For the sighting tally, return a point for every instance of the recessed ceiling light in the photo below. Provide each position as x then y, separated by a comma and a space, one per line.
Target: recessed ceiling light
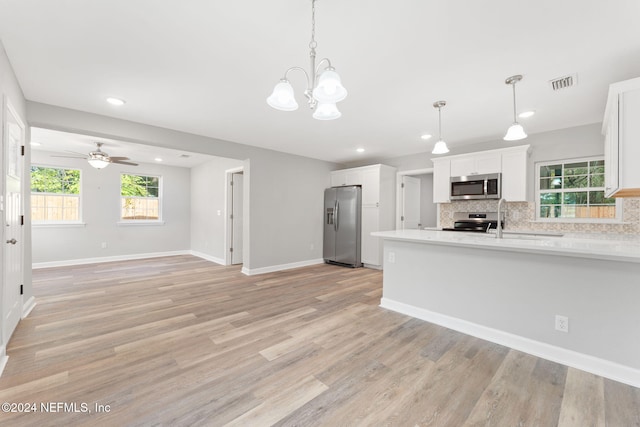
115, 101
35, 144
360, 150
425, 136
526, 114
158, 159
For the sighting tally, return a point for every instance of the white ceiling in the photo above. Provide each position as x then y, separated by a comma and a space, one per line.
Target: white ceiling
72, 144
206, 67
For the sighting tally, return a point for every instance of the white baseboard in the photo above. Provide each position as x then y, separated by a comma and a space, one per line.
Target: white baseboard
271, 269
208, 257
28, 306
584, 362
82, 261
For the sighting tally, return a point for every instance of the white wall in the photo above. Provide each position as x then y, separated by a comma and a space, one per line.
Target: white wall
10, 90
580, 141
207, 198
284, 192
101, 214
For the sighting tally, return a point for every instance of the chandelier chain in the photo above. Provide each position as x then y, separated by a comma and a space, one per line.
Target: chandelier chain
313, 44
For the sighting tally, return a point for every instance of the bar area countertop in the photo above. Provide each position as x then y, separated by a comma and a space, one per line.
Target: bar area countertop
599, 246
513, 290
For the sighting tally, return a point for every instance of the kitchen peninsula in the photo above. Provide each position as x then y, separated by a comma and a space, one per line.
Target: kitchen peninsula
510, 290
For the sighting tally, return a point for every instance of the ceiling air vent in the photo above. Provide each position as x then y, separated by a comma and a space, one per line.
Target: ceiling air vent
185, 156
564, 82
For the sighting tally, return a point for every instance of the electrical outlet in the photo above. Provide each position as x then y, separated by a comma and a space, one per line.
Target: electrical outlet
562, 323
104, 245
392, 257
311, 247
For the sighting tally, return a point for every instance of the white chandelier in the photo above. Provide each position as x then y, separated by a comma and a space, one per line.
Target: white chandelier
323, 90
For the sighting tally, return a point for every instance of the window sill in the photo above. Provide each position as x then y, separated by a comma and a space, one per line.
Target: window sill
578, 221
138, 222
58, 224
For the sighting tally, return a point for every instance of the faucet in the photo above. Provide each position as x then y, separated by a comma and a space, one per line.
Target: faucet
499, 226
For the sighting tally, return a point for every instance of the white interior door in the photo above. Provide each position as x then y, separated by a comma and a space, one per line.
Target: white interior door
12, 262
236, 217
410, 202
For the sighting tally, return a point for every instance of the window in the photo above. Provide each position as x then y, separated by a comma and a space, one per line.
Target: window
574, 190
55, 195
140, 197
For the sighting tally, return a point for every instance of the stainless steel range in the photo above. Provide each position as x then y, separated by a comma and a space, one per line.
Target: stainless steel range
475, 221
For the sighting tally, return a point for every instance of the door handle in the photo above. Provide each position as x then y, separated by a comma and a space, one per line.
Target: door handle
336, 217
12, 241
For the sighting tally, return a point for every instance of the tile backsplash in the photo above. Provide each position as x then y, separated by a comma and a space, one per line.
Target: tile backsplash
521, 216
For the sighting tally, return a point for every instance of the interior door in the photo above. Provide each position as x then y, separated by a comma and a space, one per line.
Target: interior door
410, 202
236, 217
12, 262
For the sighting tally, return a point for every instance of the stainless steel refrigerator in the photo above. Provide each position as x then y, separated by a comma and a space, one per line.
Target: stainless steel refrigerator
342, 213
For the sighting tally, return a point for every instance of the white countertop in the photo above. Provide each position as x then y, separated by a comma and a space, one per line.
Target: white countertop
614, 248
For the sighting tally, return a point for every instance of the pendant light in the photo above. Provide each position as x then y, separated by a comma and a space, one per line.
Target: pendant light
515, 131
324, 89
441, 146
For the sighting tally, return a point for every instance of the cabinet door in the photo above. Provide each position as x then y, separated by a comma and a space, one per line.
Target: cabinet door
371, 187
514, 176
474, 164
488, 163
611, 164
346, 177
371, 246
463, 166
441, 175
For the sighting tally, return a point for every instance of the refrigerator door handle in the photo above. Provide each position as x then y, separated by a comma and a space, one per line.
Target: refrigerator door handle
335, 216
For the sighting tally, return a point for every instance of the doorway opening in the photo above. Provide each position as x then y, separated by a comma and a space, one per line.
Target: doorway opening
415, 206
234, 216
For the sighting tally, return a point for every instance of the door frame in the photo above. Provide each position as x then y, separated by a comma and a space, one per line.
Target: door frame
8, 108
399, 201
228, 224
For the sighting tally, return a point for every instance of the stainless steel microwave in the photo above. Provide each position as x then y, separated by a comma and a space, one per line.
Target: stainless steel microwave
471, 187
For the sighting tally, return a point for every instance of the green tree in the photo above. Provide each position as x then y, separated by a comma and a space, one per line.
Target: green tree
55, 180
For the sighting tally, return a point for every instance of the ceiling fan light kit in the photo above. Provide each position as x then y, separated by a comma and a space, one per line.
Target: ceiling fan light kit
99, 159
323, 91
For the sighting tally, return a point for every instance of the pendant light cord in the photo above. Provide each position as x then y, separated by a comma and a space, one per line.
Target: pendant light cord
514, 101
439, 123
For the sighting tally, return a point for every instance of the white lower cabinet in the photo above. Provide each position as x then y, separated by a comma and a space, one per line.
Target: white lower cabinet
378, 205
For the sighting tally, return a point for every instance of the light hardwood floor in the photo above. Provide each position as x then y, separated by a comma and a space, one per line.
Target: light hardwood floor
181, 341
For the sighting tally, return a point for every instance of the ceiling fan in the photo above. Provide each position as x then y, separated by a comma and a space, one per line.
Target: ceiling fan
99, 159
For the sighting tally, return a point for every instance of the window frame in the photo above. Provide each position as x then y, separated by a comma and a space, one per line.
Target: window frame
563, 162
58, 223
146, 221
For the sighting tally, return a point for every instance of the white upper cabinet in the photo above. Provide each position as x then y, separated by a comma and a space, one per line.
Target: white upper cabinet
476, 163
441, 174
512, 162
346, 177
621, 128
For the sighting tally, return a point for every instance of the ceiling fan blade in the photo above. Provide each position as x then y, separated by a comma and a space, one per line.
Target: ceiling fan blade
120, 162
75, 152
117, 159
71, 157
